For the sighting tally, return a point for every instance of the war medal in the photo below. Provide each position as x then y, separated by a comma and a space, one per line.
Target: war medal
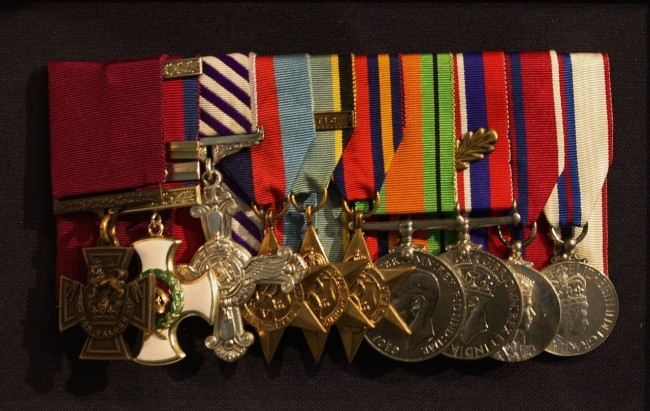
588, 299
177, 297
541, 316
431, 301
107, 303
494, 302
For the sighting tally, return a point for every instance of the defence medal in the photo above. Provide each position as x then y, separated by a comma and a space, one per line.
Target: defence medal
176, 297
279, 299
325, 287
107, 303
588, 299
371, 288
541, 316
494, 301
431, 301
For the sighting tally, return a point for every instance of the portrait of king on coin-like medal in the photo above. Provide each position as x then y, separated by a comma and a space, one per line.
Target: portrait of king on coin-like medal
416, 301
479, 286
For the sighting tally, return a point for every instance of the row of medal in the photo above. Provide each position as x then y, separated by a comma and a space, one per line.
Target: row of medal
409, 305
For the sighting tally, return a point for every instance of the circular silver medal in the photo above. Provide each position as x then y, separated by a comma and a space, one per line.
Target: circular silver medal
587, 296
431, 301
494, 304
541, 317
589, 307
540, 320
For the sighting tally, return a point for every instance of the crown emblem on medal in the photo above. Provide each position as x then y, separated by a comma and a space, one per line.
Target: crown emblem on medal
571, 288
525, 284
480, 281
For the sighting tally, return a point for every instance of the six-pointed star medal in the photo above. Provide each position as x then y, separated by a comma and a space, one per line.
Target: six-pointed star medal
371, 290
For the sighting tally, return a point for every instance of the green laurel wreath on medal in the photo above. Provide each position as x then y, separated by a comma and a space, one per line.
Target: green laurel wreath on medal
176, 305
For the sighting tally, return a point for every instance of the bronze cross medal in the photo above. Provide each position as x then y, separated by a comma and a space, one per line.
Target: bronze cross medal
107, 304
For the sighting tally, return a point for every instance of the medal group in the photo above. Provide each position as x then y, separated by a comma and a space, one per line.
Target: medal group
426, 204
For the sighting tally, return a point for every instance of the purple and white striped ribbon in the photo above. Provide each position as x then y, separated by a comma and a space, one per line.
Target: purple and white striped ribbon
227, 107
227, 95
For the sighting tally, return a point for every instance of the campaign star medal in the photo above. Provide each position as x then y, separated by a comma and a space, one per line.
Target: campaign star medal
280, 300
371, 289
107, 303
176, 297
325, 286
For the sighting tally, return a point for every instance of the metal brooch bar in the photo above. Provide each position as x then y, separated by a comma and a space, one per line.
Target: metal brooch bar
247, 139
132, 201
174, 69
340, 120
441, 223
185, 171
182, 150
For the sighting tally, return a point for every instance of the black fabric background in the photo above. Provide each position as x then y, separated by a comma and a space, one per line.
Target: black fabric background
38, 365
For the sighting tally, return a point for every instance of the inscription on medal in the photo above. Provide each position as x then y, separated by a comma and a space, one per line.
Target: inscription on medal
431, 301
540, 320
494, 305
589, 307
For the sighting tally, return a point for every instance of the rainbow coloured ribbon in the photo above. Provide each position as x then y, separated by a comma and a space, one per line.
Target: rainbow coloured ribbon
422, 174
265, 173
482, 101
580, 194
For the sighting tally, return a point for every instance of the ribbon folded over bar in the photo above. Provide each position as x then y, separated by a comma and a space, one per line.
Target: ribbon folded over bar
265, 173
587, 122
422, 178
110, 123
482, 102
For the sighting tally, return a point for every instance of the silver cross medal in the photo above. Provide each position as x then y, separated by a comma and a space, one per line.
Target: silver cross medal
236, 273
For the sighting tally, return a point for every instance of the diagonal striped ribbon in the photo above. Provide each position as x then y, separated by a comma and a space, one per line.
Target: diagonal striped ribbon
580, 194
227, 107
482, 101
227, 95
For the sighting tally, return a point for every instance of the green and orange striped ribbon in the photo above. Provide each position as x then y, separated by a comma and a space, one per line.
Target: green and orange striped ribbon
421, 178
